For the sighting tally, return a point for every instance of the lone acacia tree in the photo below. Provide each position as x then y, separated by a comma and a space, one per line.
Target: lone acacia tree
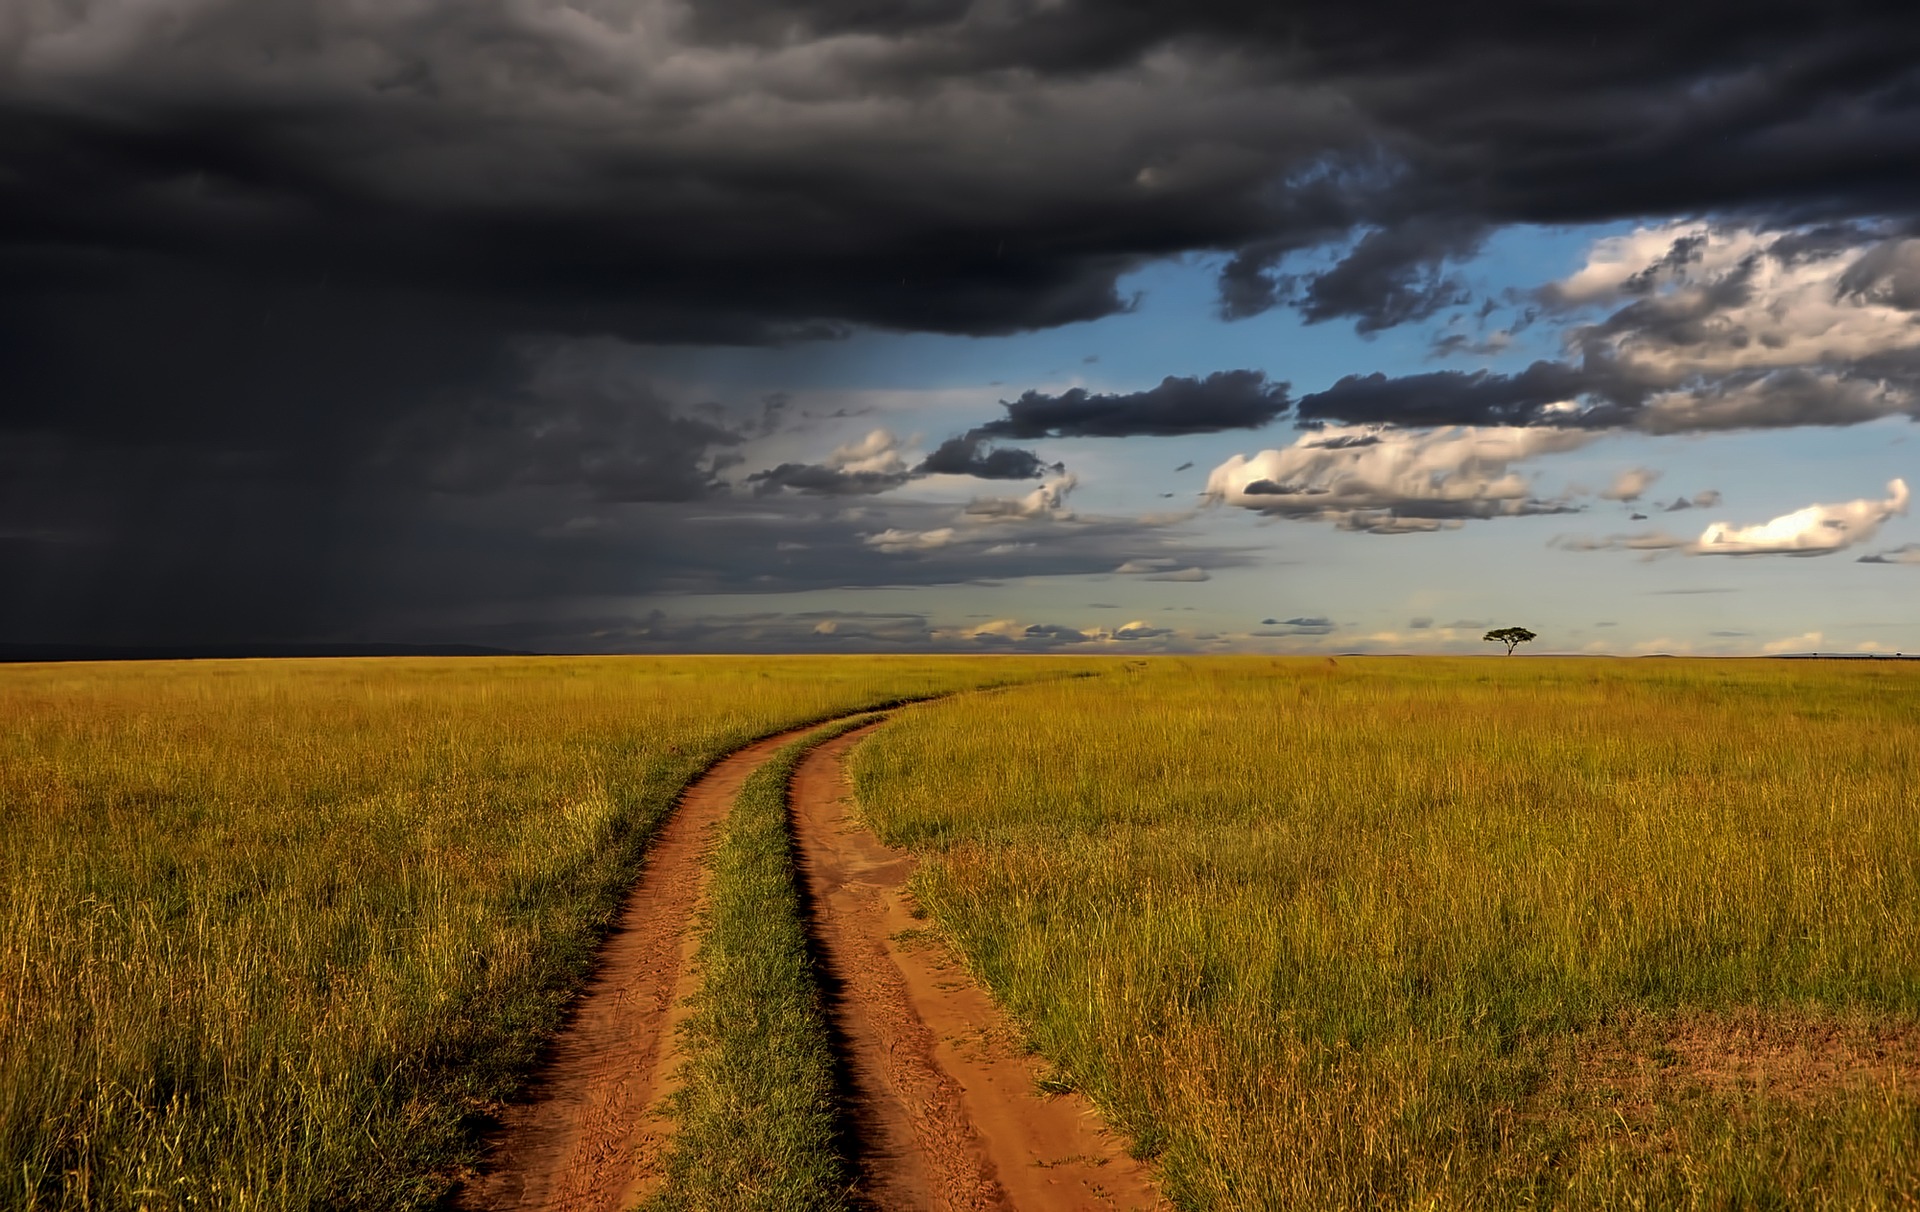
1512, 637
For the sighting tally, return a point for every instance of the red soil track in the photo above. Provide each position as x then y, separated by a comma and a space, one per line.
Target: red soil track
946, 1109
589, 1137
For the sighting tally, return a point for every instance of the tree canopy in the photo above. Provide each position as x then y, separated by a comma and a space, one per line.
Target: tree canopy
1512, 637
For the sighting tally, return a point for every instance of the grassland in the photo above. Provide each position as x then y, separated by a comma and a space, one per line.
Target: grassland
1450, 933
274, 934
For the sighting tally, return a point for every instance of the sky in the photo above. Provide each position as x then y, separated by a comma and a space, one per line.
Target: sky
970, 325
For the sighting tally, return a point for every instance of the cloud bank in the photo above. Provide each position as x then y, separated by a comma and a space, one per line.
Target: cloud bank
1227, 399
316, 317
1706, 328
1394, 481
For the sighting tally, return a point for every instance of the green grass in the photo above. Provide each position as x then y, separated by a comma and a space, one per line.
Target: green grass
276, 934
1450, 933
756, 1115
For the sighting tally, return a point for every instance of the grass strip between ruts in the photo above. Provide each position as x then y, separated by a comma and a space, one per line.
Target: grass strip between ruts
756, 1112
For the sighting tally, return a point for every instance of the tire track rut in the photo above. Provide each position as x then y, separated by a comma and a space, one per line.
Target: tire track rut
588, 1137
944, 1108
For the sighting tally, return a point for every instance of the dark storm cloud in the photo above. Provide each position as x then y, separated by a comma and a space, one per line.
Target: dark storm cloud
171, 543
550, 563
961, 167
565, 169
1223, 400
618, 442
870, 469
756, 21
1392, 276
1226, 399
1606, 396
1049, 634
265, 267
876, 465
974, 454
1451, 397
822, 480
756, 631
823, 631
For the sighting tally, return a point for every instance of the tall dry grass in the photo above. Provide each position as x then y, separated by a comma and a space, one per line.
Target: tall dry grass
274, 934
1450, 933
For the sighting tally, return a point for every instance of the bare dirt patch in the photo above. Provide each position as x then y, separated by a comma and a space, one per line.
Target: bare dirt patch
1784, 1056
945, 1108
588, 1136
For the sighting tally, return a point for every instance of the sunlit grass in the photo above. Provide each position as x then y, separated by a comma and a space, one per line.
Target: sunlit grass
273, 934
1450, 932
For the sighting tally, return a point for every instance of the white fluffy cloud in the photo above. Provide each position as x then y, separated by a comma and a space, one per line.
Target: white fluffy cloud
1048, 501
1389, 481
1731, 327
879, 453
1614, 262
1815, 530
986, 521
1709, 300
894, 541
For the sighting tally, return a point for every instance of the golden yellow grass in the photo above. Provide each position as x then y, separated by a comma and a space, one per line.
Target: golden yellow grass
1450, 933
277, 934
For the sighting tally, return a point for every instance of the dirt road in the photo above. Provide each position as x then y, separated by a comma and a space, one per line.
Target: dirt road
944, 1107
588, 1137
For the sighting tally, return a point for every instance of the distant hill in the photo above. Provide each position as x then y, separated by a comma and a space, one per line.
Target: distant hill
189, 652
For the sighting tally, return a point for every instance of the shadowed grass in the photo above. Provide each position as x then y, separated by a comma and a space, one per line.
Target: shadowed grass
756, 1115
278, 934
1450, 933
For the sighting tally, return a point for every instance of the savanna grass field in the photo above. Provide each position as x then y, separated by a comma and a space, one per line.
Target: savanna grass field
277, 934
1461, 933
1314, 933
